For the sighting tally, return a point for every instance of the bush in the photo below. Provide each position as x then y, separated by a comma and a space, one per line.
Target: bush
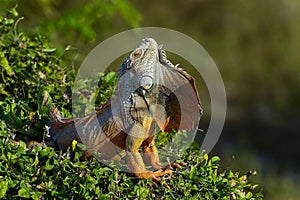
41, 172
32, 79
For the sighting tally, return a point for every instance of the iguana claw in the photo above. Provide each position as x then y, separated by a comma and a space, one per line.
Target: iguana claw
154, 175
173, 165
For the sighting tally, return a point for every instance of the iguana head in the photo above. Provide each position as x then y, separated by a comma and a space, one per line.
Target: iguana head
143, 58
140, 63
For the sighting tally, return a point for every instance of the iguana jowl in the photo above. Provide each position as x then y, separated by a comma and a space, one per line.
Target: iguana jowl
150, 91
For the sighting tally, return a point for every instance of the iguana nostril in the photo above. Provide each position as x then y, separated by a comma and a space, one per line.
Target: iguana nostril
146, 82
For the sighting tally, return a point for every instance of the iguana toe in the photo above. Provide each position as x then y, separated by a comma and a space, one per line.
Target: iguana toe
174, 165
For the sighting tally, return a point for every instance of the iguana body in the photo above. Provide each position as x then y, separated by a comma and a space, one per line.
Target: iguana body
150, 91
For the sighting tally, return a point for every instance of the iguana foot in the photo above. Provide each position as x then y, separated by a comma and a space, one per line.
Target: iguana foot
173, 165
34, 143
154, 175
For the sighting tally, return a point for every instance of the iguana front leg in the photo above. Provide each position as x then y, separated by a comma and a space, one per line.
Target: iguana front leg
134, 140
150, 153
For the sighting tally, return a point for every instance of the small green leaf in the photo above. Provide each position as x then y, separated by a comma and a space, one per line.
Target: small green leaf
36, 196
143, 192
48, 166
9, 21
23, 192
249, 195
193, 169
3, 188
49, 50
14, 11
4, 63
205, 157
215, 159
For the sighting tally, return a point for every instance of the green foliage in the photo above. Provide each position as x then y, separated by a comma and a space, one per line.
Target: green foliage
42, 172
89, 13
93, 91
33, 78
78, 21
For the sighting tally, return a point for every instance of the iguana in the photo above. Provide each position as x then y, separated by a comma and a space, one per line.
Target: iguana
150, 91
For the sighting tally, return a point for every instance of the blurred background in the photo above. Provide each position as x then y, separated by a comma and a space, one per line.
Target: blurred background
255, 45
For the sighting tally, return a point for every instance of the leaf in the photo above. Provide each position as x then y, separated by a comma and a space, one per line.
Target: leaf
74, 143
3, 188
46, 98
23, 192
143, 192
205, 157
4, 63
14, 11
48, 166
110, 76
215, 159
193, 169
22, 145
36, 196
248, 195
49, 50
9, 21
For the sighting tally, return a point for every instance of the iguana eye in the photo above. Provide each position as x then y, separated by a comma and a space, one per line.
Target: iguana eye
146, 82
137, 53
